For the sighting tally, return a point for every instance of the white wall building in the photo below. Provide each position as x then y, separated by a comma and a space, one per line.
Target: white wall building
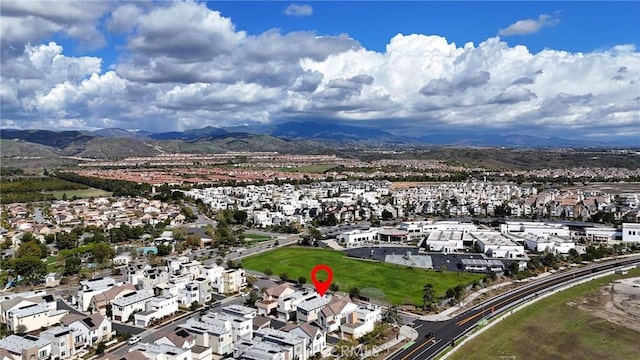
156, 308
125, 306
602, 234
631, 233
90, 288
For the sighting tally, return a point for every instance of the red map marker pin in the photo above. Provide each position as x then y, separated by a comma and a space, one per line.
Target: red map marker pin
321, 287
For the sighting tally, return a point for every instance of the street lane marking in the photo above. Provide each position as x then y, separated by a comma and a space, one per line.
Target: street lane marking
427, 349
418, 348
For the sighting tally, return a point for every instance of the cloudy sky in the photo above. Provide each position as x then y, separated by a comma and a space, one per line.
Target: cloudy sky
542, 68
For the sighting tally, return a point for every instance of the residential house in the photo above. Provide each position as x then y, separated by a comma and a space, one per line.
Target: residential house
163, 351
92, 287
288, 306
258, 350
241, 327
100, 302
217, 337
33, 317
295, 346
315, 335
88, 330
124, 307
338, 312
366, 318
27, 347
308, 310
156, 308
62, 342
233, 280
179, 338
270, 297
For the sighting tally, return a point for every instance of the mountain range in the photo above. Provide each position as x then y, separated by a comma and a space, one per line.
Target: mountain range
288, 137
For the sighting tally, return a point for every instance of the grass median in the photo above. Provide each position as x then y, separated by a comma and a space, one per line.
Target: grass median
400, 284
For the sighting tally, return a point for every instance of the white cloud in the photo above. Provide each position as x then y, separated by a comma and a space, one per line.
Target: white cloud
177, 74
529, 26
34, 21
298, 10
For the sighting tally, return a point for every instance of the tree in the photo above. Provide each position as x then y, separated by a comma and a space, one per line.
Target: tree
72, 265
21, 329
193, 241
334, 287
268, 271
164, 250
178, 234
428, 296
387, 215
102, 252
29, 248
354, 292
30, 268
284, 276
392, 315
514, 268
302, 280
240, 216
252, 298
194, 306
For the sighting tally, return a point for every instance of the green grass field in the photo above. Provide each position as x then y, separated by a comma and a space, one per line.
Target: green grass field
82, 193
552, 329
401, 285
252, 239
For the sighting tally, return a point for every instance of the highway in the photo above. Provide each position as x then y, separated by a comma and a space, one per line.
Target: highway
451, 330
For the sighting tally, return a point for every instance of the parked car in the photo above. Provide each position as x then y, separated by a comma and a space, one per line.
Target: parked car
134, 340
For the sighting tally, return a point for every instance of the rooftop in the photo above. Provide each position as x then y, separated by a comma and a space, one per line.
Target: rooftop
132, 298
16, 344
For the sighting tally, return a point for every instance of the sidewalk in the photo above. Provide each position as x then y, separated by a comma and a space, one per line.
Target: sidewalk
450, 312
406, 332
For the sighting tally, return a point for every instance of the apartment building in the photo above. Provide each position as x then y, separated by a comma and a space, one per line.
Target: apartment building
125, 306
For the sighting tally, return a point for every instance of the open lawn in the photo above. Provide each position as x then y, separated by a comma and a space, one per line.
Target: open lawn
252, 239
82, 193
400, 284
553, 329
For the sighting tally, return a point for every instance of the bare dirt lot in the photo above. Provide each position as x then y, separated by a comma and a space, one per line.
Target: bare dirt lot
618, 303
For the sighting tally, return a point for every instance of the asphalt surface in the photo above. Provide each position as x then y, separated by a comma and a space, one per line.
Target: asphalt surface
440, 261
453, 329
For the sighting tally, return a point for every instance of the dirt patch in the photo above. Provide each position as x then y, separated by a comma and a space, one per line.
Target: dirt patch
618, 302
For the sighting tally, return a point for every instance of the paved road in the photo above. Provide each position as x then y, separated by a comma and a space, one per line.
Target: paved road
452, 329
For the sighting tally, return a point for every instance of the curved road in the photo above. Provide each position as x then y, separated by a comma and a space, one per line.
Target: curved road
450, 330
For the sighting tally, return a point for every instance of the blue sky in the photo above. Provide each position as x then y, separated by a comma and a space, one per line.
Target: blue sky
569, 69
584, 26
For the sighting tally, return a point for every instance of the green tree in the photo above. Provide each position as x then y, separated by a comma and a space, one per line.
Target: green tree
179, 234
354, 292
194, 306
392, 315
72, 265
164, 250
102, 252
31, 268
302, 280
428, 296
252, 298
240, 216
268, 271
29, 248
193, 241
334, 287
284, 276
